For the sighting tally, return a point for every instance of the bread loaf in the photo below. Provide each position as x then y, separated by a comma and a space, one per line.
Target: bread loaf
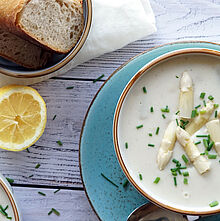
21, 51
56, 24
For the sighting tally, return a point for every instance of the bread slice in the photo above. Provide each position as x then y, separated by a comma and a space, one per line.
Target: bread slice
21, 51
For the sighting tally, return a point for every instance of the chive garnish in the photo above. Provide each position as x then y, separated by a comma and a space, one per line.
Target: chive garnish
69, 88
50, 212
126, 145
205, 142
174, 179
6, 208
37, 166
197, 143
125, 183
185, 159
28, 150
144, 90
56, 191
59, 143
210, 97
185, 181
151, 145
174, 173
139, 126
186, 173
193, 115
212, 156
198, 106
99, 78
54, 211
201, 135
213, 204
175, 161
10, 180
151, 109
202, 111
109, 180
216, 105
174, 169
204, 103
157, 180
202, 154
140, 176
177, 76
4, 213
150, 134
177, 122
206, 152
182, 168
166, 109
216, 114
54, 117
210, 145
31, 175
164, 117
157, 131
202, 95
177, 112
41, 193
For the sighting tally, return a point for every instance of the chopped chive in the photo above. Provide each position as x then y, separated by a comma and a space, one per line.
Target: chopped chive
174, 169
177, 122
150, 134
37, 166
6, 208
201, 135
205, 142
193, 115
126, 145
41, 193
198, 106
212, 156
50, 212
202, 154
157, 131
210, 97
216, 114
99, 78
174, 179
69, 88
164, 117
125, 184
202, 95
213, 204
55, 211
59, 143
157, 180
177, 112
28, 150
175, 161
174, 173
10, 180
177, 76
185, 181
166, 110
109, 180
151, 145
139, 126
204, 103
197, 143
186, 173
216, 105
54, 117
179, 171
31, 175
151, 109
202, 111
210, 145
185, 158
209, 138
140, 176
206, 152
182, 168
56, 191
144, 90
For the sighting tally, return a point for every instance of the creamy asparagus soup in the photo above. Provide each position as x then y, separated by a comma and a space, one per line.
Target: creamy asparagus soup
169, 132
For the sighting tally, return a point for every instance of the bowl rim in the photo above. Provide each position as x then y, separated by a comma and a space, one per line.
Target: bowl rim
65, 60
124, 93
11, 199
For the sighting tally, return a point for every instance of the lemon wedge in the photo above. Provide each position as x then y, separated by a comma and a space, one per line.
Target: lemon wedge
23, 116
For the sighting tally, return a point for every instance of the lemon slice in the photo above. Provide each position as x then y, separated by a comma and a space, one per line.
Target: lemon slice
23, 117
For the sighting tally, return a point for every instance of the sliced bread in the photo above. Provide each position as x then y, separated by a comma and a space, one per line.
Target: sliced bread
21, 51
56, 24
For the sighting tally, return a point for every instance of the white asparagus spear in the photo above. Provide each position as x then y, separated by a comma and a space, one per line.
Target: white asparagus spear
200, 120
213, 127
201, 164
166, 147
186, 98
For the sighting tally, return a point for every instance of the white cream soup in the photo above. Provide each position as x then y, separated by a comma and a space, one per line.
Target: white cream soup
163, 89
4, 201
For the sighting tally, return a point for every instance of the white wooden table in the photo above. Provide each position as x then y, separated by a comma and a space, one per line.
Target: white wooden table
176, 20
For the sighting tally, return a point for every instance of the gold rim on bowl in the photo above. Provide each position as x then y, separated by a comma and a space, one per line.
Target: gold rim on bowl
66, 59
116, 118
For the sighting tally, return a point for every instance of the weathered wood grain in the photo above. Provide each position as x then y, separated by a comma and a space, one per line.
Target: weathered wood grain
72, 205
